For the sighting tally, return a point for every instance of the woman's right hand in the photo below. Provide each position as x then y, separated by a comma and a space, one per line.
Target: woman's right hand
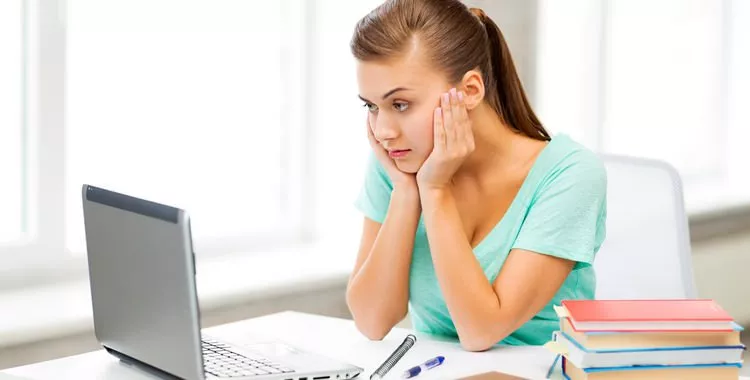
400, 180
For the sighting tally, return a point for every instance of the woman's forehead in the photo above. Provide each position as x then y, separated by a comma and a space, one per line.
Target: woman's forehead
377, 77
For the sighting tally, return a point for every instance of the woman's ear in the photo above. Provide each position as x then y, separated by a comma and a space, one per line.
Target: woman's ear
472, 85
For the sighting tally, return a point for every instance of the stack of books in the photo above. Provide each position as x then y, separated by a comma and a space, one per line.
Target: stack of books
647, 339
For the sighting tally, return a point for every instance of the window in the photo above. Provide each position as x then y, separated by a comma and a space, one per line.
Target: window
238, 111
653, 79
11, 121
664, 76
185, 103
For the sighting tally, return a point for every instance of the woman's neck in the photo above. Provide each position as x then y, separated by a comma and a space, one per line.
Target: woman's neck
498, 149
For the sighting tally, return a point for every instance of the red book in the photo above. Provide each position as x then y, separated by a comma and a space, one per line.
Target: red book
647, 315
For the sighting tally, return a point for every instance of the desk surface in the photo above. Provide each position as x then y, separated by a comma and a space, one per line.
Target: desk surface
333, 337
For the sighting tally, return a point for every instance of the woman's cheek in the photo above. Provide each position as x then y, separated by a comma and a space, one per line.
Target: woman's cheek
420, 130
428, 127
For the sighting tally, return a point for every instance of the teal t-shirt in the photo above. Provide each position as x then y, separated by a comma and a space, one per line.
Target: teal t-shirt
560, 210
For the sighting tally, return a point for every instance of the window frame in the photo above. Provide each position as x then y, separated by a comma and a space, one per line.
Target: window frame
41, 256
43, 117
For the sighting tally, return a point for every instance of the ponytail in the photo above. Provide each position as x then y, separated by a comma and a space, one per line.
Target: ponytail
504, 90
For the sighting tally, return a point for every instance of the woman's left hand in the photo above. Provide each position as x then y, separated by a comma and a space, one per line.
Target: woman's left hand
453, 142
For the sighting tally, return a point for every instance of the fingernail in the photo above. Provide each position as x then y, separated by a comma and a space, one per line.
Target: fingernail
460, 95
445, 97
453, 91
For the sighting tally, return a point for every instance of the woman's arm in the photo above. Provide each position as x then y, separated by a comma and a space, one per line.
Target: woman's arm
559, 227
482, 313
378, 289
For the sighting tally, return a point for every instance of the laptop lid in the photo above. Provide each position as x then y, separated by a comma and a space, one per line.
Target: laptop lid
142, 276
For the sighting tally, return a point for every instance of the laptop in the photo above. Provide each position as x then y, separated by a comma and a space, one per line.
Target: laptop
142, 276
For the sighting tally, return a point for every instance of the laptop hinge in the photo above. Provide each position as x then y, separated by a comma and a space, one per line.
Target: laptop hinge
129, 360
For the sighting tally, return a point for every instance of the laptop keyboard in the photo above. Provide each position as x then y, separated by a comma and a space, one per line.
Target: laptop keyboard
220, 361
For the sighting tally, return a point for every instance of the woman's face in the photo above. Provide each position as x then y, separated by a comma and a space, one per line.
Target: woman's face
401, 96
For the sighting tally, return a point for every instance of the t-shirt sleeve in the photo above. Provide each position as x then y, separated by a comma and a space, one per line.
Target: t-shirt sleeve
567, 215
375, 193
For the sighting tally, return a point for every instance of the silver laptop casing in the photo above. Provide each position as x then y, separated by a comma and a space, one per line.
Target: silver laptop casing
142, 277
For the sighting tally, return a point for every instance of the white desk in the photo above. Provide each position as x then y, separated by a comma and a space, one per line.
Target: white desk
333, 337
337, 338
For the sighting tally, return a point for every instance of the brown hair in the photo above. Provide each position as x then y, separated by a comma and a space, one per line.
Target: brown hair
458, 39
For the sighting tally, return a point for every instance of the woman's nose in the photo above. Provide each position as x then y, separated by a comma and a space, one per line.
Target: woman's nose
385, 129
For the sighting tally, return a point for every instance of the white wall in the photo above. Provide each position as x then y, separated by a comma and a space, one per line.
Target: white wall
517, 21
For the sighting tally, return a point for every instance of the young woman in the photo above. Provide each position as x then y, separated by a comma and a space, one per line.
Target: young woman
477, 220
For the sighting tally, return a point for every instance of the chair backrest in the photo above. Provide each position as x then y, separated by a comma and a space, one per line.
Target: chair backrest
646, 253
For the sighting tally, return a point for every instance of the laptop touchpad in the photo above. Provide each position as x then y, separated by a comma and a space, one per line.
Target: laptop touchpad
272, 349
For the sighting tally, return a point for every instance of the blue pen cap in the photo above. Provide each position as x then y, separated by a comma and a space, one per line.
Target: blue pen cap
435, 362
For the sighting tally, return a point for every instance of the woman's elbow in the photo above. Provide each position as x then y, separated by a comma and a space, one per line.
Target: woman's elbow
374, 325
374, 322
477, 341
476, 345
372, 329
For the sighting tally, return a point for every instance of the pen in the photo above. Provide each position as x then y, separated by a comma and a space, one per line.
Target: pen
432, 363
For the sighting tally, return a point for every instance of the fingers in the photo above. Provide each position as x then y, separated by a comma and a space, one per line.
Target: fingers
450, 131
463, 117
455, 106
439, 130
456, 127
458, 122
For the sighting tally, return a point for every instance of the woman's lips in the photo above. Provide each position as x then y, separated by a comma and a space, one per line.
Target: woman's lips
398, 153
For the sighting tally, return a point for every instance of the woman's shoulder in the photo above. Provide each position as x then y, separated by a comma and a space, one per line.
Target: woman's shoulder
566, 162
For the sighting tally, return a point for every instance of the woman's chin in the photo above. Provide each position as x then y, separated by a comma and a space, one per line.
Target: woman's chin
407, 167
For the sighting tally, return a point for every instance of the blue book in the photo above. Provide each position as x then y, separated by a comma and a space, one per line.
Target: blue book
724, 371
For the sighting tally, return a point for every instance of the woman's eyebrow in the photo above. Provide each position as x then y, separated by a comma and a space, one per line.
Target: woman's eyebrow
387, 94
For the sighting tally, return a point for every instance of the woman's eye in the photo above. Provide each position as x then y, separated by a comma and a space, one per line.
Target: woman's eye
370, 107
400, 107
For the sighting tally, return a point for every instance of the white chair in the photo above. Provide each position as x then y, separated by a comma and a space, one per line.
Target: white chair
646, 253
